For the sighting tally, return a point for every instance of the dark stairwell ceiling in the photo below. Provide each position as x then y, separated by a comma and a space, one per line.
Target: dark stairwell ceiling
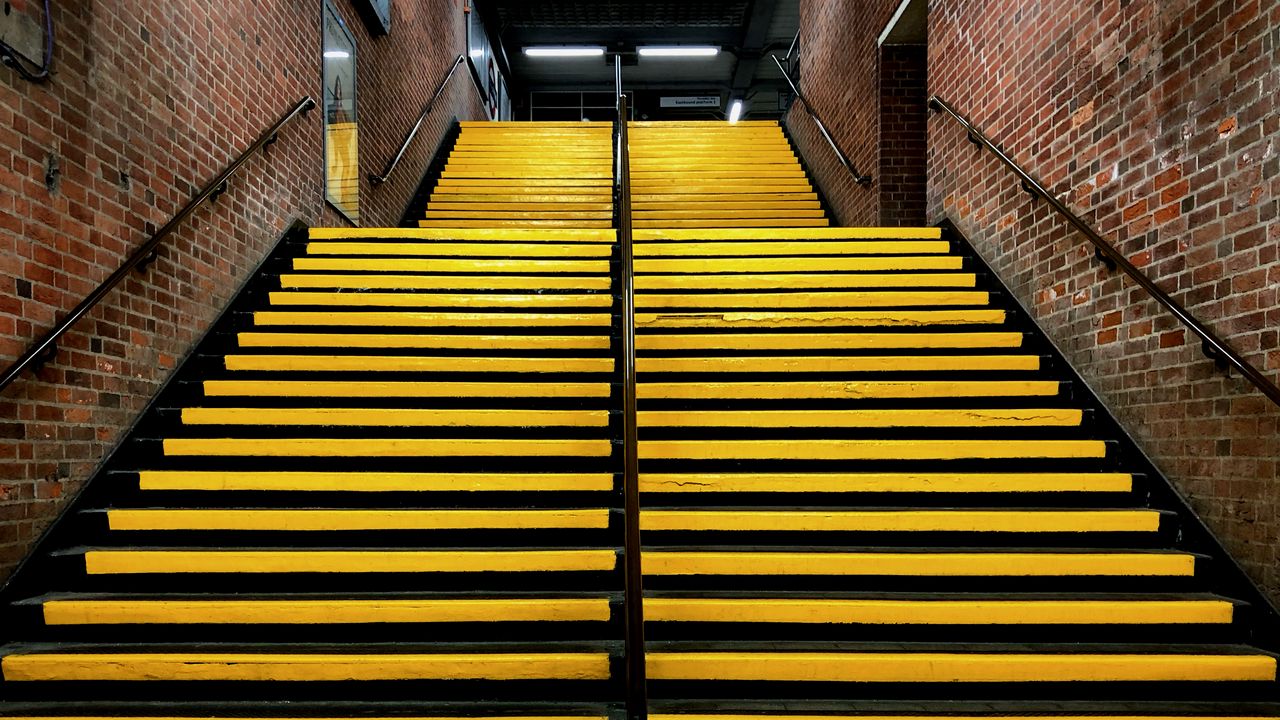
746, 31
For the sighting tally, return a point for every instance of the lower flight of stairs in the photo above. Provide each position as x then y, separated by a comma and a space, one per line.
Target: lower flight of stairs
388, 475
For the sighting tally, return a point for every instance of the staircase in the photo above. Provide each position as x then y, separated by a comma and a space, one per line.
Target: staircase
387, 483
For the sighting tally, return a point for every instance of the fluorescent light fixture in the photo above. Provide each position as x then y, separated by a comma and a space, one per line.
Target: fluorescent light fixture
679, 50
337, 54
564, 51
735, 111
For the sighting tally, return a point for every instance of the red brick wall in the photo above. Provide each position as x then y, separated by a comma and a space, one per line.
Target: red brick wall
149, 100
904, 125
1158, 122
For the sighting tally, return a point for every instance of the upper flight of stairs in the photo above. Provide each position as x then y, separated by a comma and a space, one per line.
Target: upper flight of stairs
387, 484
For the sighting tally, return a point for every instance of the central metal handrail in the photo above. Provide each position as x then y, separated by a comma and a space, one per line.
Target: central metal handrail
1210, 344
422, 117
633, 589
47, 346
858, 177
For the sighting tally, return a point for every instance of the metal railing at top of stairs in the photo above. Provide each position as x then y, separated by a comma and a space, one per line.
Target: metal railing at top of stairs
47, 346
633, 589
377, 180
859, 178
1211, 345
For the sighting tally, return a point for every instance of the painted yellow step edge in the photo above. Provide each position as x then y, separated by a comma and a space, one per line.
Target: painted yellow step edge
352, 389
852, 418
829, 482
959, 667
939, 612
826, 341
982, 521
806, 450
423, 342
323, 612
924, 564
849, 390
834, 233
395, 417
374, 560
303, 666
379, 447
602, 236
364, 482
327, 520
393, 363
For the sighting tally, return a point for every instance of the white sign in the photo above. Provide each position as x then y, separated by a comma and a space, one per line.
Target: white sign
693, 101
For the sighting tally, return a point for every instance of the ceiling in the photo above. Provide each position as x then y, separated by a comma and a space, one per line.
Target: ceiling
746, 31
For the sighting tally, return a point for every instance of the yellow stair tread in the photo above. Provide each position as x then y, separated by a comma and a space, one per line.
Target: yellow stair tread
828, 341
885, 482
353, 519
491, 222
319, 481
525, 235
640, 223
69, 666
395, 417
324, 612
384, 447
440, 299
411, 363
803, 318
803, 299
372, 560
423, 342
938, 611
801, 281
994, 563
469, 249
387, 281
878, 449
847, 418
753, 248
985, 521
487, 267
761, 265
406, 318
958, 667
387, 389
835, 233
849, 390
829, 364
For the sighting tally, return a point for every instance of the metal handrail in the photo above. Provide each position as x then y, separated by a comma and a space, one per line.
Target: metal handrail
633, 589
47, 346
1210, 344
858, 177
377, 180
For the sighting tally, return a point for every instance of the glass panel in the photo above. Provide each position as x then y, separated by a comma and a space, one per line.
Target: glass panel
341, 133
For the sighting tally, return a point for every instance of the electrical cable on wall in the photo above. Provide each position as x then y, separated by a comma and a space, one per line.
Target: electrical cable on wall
13, 59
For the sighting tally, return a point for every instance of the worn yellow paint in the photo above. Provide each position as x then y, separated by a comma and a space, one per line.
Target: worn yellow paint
531, 215
446, 282
469, 249
714, 199
395, 417
323, 612
742, 204
488, 267
925, 564
841, 363
461, 300
496, 223
498, 182
718, 214
866, 449
413, 363
802, 318
584, 192
750, 248
803, 299
829, 482
212, 480
384, 447
524, 198
960, 667
835, 233
703, 173
523, 206
529, 174
374, 560
779, 281
407, 318
736, 188
355, 519
797, 264
938, 612
827, 341
984, 521
349, 389
777, 223
879, 418
303, 666
424, 342
531, 235
845, 390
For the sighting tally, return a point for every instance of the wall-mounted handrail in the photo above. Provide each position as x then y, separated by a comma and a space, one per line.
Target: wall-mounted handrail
858, 177
1213, 347
47, 346
377, 180
633, 590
